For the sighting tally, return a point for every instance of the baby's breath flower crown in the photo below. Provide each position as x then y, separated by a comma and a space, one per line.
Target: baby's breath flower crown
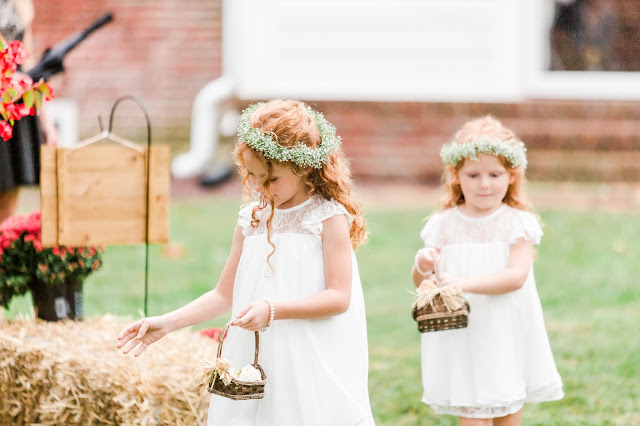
512, 149
300, 154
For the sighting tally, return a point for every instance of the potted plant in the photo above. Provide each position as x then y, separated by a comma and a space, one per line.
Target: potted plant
54, 275
19, 95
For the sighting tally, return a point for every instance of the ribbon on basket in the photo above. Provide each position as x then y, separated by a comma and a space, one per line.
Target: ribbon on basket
451, 296
220, 368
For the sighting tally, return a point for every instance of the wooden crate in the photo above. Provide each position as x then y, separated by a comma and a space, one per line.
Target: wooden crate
96, 195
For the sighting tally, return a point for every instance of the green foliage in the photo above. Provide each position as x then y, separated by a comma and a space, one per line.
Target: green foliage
586, 271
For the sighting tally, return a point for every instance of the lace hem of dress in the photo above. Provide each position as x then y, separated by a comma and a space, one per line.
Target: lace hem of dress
478, 412
552, 392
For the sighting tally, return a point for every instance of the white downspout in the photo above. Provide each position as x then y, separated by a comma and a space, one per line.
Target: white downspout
205, 121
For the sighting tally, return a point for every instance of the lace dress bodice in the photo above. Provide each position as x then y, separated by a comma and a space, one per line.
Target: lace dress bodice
505, 225
305, 218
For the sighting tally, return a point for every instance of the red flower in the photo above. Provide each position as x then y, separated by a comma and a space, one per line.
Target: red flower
213, 333
24, 82
23, 259
6, 131
15, 88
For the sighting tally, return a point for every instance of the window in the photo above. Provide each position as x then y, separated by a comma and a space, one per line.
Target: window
595, 35
562, 60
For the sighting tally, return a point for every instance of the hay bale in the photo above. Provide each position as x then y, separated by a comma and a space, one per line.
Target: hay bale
71, 373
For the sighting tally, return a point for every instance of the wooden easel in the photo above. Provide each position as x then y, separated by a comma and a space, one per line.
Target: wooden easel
105, 194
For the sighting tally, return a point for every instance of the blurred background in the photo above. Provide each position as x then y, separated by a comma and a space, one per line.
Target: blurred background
395, 77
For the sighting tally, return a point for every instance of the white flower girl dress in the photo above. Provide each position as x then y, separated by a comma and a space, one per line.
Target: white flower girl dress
503, 358
317, 370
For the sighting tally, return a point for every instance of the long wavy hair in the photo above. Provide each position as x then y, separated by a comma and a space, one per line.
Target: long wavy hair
290, 124
486, 126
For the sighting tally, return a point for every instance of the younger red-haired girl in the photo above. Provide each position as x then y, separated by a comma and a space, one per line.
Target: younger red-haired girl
483, 240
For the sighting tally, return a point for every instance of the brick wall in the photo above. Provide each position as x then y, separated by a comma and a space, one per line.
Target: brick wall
164, 52
565, 139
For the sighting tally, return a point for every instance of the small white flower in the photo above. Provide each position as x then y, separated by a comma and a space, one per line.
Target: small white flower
512, 149
302, 155
248, 373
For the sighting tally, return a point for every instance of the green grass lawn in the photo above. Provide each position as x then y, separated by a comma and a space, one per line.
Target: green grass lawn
587, 274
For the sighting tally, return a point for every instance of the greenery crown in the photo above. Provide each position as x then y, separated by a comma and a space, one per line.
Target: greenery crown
512, 149
302, 155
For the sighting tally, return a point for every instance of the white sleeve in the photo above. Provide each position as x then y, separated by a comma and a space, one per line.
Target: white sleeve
313, 222
431, 233
525, 225
244, 218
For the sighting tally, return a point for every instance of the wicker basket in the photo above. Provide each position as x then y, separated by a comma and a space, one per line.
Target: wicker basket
438, 318
238, 389
436, 315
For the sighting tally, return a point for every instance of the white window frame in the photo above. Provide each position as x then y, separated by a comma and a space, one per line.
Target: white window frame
242, 59
544, 84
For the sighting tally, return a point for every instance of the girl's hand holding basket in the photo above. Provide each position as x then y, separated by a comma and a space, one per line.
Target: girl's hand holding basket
425, 260
439, 304
255, 316
245, 383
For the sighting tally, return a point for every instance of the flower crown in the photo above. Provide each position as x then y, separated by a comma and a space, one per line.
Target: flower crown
300, 154
512, 149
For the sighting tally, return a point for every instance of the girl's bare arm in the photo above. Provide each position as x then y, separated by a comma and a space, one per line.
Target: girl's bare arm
509, 279
210, 305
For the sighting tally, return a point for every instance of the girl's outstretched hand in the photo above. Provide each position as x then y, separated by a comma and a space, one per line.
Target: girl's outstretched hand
254, 316
142, 333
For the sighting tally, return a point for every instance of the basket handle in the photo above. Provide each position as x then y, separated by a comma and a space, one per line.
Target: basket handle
436, 270
223, 335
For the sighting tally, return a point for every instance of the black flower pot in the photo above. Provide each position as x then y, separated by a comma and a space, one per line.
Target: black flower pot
74, 299
53, 303
50, 302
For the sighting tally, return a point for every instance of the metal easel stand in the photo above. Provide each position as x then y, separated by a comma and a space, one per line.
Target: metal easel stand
146, 237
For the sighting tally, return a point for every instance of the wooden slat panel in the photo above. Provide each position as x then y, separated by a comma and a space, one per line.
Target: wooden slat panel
159, 195
106, 209
100, 195
61, 161
114, 184
111, 157
48, 196
104, 196
100, 232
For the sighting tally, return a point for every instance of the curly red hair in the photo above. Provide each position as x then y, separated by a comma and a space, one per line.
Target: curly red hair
290, 124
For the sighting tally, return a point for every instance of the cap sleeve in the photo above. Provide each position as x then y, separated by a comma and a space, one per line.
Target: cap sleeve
325, 210
244, 218
431, 234
525, 225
